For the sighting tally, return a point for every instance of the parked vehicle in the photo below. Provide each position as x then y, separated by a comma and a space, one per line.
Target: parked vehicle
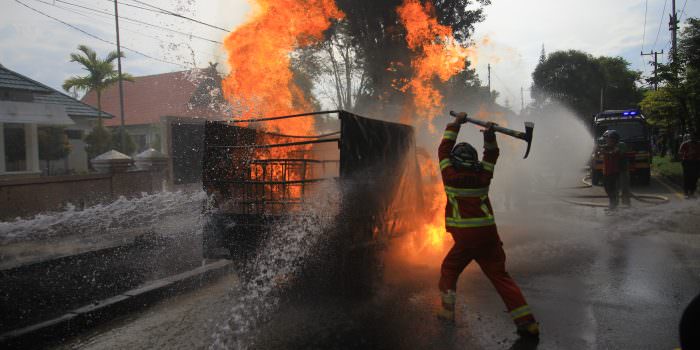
634, 132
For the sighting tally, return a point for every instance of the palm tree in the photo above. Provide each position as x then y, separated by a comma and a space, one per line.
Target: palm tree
101, 74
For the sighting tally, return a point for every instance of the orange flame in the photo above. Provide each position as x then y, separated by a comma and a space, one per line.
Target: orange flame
260, 82
438, 55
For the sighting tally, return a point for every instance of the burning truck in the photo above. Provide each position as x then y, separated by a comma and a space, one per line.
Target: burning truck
259, 180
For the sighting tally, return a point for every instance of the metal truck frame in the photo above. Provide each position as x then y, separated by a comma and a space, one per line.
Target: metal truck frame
253, 187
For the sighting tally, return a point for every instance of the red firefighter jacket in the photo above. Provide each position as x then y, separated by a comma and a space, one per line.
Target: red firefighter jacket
468, 207
690, 150
614, 159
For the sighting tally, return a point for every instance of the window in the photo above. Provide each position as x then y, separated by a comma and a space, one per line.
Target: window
15, 147
627, 131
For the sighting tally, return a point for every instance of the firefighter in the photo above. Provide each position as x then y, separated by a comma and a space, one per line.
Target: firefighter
615, 169
469, 219
689, 154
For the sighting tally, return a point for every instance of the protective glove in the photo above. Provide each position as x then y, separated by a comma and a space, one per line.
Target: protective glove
461, 118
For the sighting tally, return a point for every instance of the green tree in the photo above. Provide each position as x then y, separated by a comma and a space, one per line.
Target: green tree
53, 144
98, 141
573, 78
620, 91
689, 54
101, 74
129, 146
375, 55
681, 79
661, 108
578, 80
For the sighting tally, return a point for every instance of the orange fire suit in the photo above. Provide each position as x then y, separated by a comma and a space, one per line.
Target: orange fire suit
469, 219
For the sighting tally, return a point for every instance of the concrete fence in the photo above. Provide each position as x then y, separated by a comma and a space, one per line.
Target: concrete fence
23, 197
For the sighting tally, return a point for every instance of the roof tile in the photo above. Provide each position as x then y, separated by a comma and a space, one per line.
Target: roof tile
148, 98
44, 94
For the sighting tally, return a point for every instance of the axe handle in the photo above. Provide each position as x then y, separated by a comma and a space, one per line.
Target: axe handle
509, 132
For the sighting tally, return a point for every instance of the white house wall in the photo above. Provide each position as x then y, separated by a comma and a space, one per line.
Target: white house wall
78, 158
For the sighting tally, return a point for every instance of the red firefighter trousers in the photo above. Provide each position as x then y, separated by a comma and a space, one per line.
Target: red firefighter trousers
484, 246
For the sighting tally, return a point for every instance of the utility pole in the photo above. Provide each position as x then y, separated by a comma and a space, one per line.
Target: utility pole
656, 64
489, 81
673, 27
121, 84
522, 100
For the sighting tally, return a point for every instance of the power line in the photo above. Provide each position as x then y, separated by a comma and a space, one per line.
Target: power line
683, 11
644, 32
94, 17
111, 18
138, 7
97, 37
660, 23
133, 20
181, 16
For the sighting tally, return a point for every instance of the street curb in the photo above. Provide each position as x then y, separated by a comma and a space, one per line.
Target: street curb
72, 322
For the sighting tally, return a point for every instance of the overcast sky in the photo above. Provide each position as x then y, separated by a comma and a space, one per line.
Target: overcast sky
38, 47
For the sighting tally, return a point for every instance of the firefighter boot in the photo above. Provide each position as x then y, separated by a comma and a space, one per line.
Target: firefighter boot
447, 310
529, 330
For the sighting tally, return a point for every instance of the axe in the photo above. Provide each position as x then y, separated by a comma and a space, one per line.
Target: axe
525, 136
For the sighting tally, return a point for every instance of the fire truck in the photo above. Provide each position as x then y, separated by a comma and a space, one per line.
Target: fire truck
634, 132
261, 183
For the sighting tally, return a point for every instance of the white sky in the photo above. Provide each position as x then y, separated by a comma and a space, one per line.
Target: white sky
39, 47
518, 29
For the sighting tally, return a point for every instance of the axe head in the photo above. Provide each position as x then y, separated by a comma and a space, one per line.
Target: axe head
529, 128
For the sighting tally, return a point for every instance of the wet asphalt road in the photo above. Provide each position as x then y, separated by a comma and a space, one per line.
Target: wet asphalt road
594, 281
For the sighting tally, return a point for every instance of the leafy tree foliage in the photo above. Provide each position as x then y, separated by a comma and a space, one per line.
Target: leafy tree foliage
101, 73
680, 85
98, 141
366, 53
689, 43
53, 144
571, 77
662, 107
129, 146
578, 80
621, 90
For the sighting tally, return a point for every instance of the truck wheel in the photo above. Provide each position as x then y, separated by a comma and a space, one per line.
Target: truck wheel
595, 177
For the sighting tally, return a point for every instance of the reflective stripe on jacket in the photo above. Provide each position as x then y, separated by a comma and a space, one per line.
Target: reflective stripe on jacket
467, 190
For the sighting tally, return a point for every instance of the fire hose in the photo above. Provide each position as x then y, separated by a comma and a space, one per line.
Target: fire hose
644, 198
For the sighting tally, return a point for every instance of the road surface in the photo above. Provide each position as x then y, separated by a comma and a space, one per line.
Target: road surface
594, 281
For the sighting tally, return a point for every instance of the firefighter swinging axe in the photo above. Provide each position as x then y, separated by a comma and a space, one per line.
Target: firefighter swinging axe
525, 136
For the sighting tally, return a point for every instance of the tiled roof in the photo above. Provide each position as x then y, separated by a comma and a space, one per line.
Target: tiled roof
12, 80
45, 94
150, 97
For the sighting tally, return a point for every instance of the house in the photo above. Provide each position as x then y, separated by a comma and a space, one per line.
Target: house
149, 99
26, 106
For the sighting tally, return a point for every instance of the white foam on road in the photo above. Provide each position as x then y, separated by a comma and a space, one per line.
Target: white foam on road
145, 211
